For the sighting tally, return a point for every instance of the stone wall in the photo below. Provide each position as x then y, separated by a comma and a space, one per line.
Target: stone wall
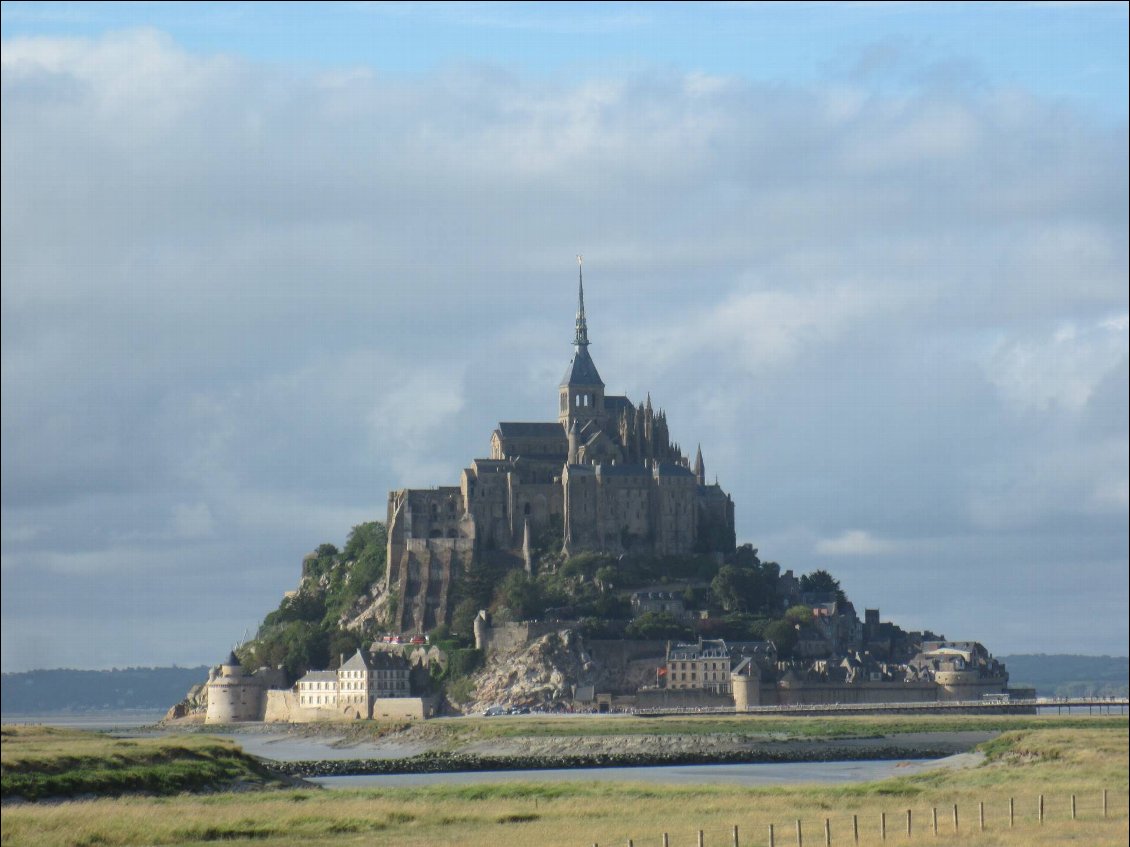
508, 637
625, 666
411, 708
681, 698
813, 693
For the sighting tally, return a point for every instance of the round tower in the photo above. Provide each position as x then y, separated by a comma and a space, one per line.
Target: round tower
233, 695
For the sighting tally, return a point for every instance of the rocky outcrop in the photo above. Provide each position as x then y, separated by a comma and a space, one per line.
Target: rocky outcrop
542, 672
194, 704
371, 607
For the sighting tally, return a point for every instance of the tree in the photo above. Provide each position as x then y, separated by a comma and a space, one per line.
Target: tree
657, 626
799, 614
521, 595
729, 588
748, 587
463, 617
822, 582
783, 635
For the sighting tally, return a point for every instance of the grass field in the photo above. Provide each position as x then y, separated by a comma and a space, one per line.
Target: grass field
1042, 756
38, 762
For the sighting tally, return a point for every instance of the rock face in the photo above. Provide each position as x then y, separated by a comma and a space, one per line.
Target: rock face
194, 704
542, 672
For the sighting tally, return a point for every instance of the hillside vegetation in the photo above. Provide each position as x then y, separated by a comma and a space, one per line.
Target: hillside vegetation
339, 604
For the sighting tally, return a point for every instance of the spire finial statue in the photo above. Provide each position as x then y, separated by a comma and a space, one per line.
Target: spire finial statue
581, 339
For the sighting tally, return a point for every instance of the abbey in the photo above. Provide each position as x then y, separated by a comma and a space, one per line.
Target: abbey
605, 477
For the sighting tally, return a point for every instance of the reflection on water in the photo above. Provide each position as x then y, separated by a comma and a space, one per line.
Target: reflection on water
125, 719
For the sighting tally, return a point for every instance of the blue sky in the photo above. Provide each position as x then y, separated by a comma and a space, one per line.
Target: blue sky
263, 263
1077, 51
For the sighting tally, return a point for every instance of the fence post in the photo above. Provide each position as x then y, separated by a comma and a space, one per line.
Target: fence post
908, 828
1041, 808
827, 833
955, 817
666, 840
700, 838
1072, 807
799, 835
981, 815
882, 826
855, 827
736, 836
1104, 802
772, 840
934, 819
1011, 812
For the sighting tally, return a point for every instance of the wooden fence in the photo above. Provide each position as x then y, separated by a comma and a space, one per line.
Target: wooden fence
901, 825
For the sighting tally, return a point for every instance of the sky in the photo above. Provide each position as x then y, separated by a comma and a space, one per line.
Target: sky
263, 263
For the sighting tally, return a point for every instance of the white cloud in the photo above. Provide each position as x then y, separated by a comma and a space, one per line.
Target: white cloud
241, 302
855, 542
1060, 372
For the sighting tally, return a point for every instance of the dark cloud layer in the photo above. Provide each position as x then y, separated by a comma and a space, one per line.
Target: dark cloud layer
241, 302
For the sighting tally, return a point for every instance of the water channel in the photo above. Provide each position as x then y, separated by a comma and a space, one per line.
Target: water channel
776, 773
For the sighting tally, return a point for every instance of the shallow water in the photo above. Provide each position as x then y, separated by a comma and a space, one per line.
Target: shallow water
125, 719
776, 773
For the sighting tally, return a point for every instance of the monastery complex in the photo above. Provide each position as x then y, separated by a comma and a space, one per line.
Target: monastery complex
605, 475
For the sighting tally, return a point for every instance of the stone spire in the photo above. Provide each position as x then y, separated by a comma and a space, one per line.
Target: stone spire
581, 339
699, 467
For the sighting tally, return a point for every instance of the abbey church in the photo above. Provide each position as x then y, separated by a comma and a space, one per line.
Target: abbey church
605, 477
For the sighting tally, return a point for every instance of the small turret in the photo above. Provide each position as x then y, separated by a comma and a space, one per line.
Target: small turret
699, 467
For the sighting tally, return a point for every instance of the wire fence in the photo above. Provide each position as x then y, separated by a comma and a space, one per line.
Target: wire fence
901, 824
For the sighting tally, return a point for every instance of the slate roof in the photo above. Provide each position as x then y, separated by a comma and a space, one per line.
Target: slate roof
319, 676
522, 429
615, 403
581, 370
671, 469
357, 662
624, 470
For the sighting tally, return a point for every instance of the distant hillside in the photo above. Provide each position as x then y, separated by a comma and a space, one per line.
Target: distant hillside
37, 692
1066, 675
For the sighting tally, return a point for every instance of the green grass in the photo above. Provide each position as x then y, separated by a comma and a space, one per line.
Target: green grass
1053, 758
40, 762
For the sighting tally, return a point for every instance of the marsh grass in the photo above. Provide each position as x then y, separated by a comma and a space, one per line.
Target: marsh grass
1023, 764
39, 762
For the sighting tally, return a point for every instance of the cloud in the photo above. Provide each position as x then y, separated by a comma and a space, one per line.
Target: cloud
1060, 372
241, 302
855, 542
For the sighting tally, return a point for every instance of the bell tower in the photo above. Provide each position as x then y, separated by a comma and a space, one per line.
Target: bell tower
581, 392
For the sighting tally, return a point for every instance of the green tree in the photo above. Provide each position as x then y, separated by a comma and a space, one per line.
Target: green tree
521, 595
822, 582
783, 635
799, 614
657, 626
463, 617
